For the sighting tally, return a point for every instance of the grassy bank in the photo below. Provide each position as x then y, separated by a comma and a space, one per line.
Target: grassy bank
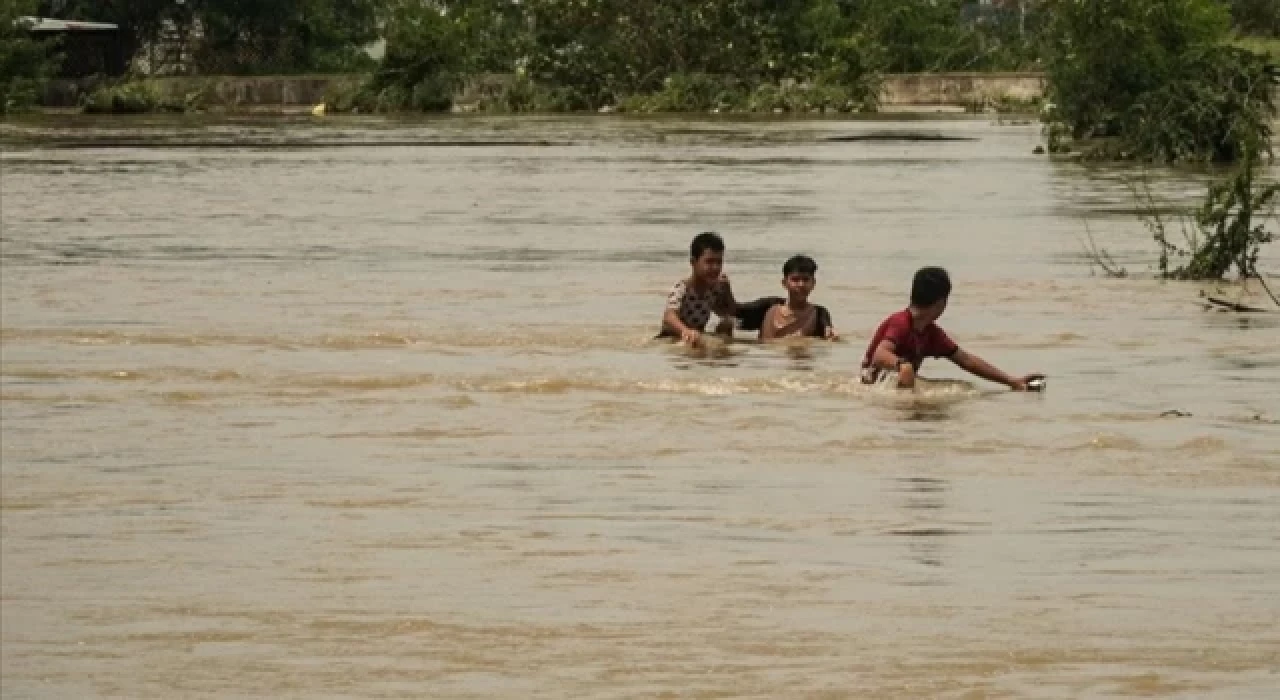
1266, 46
509, 94
680, 94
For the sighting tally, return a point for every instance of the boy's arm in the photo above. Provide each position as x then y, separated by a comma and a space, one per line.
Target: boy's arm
728, 304
885, 358
671, 318
977, 366
767, 330
828, 328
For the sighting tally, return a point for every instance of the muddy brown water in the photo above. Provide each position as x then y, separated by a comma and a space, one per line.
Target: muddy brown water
367, 408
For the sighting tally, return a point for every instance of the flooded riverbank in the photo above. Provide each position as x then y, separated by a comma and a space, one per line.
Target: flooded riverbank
371, 408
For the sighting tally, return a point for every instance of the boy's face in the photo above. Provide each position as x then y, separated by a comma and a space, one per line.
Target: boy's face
933, 312
709, 265
799, 285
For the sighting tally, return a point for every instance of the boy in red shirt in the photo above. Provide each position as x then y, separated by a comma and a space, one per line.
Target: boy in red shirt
905, 338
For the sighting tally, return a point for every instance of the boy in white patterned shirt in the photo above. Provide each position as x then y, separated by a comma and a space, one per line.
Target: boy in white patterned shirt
706, 290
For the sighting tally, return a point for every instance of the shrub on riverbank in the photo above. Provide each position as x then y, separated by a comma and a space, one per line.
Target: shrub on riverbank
145, 97
1155, 80
137, 97
703, 93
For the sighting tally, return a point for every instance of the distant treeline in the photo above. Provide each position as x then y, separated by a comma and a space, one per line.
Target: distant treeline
1148, 78
782, 38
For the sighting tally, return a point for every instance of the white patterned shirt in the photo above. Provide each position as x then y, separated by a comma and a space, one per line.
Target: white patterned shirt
694, 308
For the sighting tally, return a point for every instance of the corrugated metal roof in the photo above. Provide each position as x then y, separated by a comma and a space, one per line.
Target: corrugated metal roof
46, 24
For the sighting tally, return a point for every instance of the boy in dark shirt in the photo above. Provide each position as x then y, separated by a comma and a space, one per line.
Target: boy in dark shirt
795, 316
905, 338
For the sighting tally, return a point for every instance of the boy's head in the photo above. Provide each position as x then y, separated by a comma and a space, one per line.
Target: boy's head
799, 277
706, 255
929, 292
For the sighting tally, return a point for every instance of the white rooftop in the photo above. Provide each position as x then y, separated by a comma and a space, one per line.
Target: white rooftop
46, 24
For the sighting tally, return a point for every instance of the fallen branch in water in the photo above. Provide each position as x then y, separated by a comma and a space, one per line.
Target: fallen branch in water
1100, 257
1262, 280
1232, 306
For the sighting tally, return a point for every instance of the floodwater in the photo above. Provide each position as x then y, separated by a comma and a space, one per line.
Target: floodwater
365, 408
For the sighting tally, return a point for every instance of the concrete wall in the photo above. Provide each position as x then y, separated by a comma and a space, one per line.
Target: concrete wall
960, 89
266, 91
221, 91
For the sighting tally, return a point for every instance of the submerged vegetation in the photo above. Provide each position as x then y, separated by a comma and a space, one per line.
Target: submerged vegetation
1226, 234
1163, 82
1220, 240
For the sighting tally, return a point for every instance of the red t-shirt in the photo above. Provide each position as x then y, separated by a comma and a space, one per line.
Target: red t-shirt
907, 343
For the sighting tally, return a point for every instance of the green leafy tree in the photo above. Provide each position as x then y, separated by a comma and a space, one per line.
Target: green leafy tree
1156, 78
25, 64
917, 36
425, 61
1261, 17
268, 36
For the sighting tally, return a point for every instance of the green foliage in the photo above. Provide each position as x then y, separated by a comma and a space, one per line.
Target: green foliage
25, 65
915, 36
689, 92
1260, 17
1217, 108
1267, 48
1226, 233
425, 60
919, 35
136, 97
267, 36
1155, 79
1104, 55
652, 55
699, 92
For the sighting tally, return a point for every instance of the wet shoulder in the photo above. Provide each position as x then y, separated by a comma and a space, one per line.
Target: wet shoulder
896, 324
940, 344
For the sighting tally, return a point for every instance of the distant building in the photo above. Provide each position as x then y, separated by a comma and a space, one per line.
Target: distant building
87, 48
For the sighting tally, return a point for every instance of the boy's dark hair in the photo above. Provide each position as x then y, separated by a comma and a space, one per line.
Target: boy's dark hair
802, 264
704, 242
931, 285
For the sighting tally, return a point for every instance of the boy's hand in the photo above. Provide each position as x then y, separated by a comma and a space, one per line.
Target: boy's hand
691, 337
830, 334
1020, 383
906, 376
